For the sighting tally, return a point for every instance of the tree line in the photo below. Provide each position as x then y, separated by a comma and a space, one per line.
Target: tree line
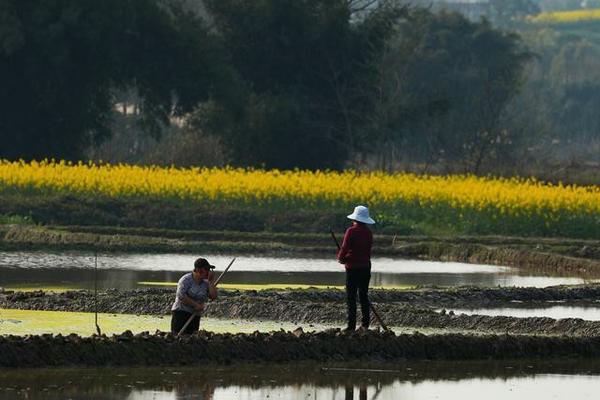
276, 83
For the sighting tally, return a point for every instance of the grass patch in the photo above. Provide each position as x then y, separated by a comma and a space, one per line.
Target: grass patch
15, 220
170, 214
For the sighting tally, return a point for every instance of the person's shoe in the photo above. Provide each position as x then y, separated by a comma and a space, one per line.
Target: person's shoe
348, 329
362, 329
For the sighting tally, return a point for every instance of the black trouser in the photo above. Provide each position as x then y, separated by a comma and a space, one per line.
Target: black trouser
178, 320
357, 279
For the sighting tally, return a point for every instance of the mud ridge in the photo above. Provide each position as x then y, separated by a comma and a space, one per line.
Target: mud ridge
332, 345
401, 316
460, 297
307, 308
158, 300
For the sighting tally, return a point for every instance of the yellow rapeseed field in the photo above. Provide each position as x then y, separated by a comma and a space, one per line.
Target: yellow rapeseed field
568, 16
515, 197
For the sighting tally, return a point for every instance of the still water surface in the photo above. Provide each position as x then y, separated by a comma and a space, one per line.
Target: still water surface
385, 382
76, 269
555, 312
555, 387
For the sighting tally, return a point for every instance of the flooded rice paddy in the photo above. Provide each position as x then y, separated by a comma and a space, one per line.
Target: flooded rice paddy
368, 381
413, 381
127, 271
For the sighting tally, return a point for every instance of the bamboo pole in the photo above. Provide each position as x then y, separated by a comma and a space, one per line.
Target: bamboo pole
96, 292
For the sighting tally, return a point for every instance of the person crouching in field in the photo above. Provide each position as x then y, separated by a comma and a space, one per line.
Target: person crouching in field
193, 291
355, 253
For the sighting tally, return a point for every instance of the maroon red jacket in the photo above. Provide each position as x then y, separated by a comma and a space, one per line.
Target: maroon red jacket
356, 247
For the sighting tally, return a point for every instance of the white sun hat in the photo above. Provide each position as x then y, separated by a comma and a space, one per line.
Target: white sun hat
361, 214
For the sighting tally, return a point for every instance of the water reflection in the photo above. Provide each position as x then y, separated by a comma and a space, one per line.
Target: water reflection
415, 380
126, 271
540, 387
362, 392
555, 312
183, 262
206, 392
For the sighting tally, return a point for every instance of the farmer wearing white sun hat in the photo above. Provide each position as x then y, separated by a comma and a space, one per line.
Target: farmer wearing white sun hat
355, 254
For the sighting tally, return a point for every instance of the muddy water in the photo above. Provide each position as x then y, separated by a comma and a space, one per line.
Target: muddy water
75, 270
413, 381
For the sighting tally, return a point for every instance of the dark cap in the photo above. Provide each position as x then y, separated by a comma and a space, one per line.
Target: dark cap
202, 263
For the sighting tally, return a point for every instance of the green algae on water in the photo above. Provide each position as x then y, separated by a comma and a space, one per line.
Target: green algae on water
28, 322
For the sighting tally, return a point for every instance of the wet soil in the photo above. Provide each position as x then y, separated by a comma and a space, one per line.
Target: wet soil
402, 308
158, 300
332, 345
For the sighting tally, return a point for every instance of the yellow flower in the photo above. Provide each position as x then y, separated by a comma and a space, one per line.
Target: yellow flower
462, 194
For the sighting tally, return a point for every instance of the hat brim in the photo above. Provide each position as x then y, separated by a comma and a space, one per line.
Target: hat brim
368, 221
207, 267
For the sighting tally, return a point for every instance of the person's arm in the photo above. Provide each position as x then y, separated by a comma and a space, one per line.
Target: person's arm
343, 251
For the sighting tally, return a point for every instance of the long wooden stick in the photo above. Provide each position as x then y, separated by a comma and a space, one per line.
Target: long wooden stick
375, 313
224, 272
334, 238
189, 321
96, 292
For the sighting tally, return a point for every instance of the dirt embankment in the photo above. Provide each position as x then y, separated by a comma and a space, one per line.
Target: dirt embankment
460, 297
414, 308
332, 345
394, 315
